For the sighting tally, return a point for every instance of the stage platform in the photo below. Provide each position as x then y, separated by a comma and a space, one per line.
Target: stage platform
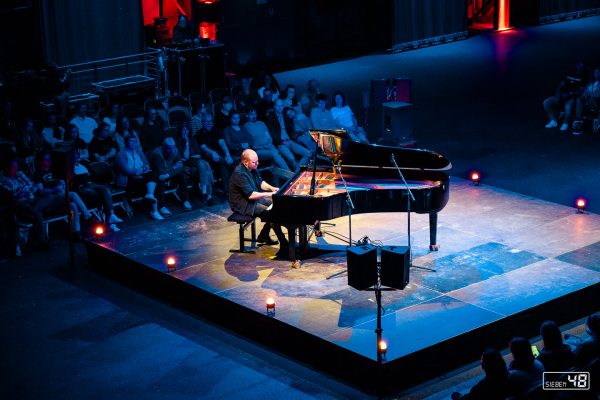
507, 262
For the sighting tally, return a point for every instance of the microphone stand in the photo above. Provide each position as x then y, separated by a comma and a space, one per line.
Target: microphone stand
409, 197
313, 181
349, 203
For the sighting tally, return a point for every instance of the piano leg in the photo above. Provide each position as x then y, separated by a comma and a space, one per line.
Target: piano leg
292, 246
433, 246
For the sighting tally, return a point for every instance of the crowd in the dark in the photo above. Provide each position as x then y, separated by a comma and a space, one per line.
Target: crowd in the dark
522, 377
185, 146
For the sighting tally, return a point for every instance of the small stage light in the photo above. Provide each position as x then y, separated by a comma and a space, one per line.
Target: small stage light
580, 204
382, 348
270, 303
475, 177
99, 231
171, 264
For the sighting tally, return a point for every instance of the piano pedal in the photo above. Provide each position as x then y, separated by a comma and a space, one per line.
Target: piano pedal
434, 247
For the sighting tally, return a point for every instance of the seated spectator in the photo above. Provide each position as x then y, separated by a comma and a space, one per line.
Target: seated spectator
196, 121
299, 136
84, 124
320, 116
53, 190
278, 128
309, 98
589, 349
555, 356
245, 96
567, 92
496, 384
264, 107
214, 149
24, 199
30, 142
344, 118
81, 147
223, 114
94, 193
133, 172
167, 164
302, 123
152, 131
123, 130
113, 117
103, 147
266, 80
194, 166
236, 137
261, 141
524, 368
588, 102
8, 125
53, 133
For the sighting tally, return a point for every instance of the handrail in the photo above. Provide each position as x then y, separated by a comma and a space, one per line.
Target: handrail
153, 52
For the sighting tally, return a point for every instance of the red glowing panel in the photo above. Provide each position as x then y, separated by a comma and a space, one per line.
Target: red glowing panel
503, 14
208, 30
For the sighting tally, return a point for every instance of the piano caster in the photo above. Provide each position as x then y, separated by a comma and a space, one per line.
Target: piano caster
434, 247
295, 264
318, 233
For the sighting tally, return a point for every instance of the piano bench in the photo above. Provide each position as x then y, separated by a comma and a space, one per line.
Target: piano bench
244, 221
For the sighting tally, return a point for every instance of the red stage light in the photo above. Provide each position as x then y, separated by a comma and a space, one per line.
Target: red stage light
382, 347
580, 204
99, 230
270, 303
475, 177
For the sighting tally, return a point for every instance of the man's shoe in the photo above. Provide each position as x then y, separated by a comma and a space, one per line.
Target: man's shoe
113, 219
150, 198
114, 228
156, 215
552, 124
165, 211
266, 240
564, 127
187, 206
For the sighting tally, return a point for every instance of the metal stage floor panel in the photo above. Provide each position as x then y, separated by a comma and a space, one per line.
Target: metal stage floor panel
507, 262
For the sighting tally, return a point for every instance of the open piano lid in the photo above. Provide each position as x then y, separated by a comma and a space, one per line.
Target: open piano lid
339, 148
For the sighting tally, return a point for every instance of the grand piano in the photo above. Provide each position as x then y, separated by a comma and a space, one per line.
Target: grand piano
372, 183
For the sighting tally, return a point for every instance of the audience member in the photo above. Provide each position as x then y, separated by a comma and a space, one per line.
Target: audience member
215, 149
81, 147
29, 142
222, 115
25, 201
344, 118
309, 98
236, 137
555, 356
113, 118
588, 102
167, 164
320, 116
53, 133
123, 130
299, 136
183, 32
302, 123
589, 349
496, 385
86, 125
53, 189
152, 131
262, 142
567, 92
264, 108
245, 96
279, 134
196, 121
94, 193
133, 172
525, 370
8, 125
266, 80
103, 147
194, 166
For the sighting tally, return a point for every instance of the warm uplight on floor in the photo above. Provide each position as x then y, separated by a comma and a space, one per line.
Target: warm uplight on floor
99, 231
270, 305
382, 348
475, 177
580, 204
171, 264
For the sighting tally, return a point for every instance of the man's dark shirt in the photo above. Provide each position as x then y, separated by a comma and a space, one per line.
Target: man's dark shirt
152, 136
102, 146
209, 138
241, 185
